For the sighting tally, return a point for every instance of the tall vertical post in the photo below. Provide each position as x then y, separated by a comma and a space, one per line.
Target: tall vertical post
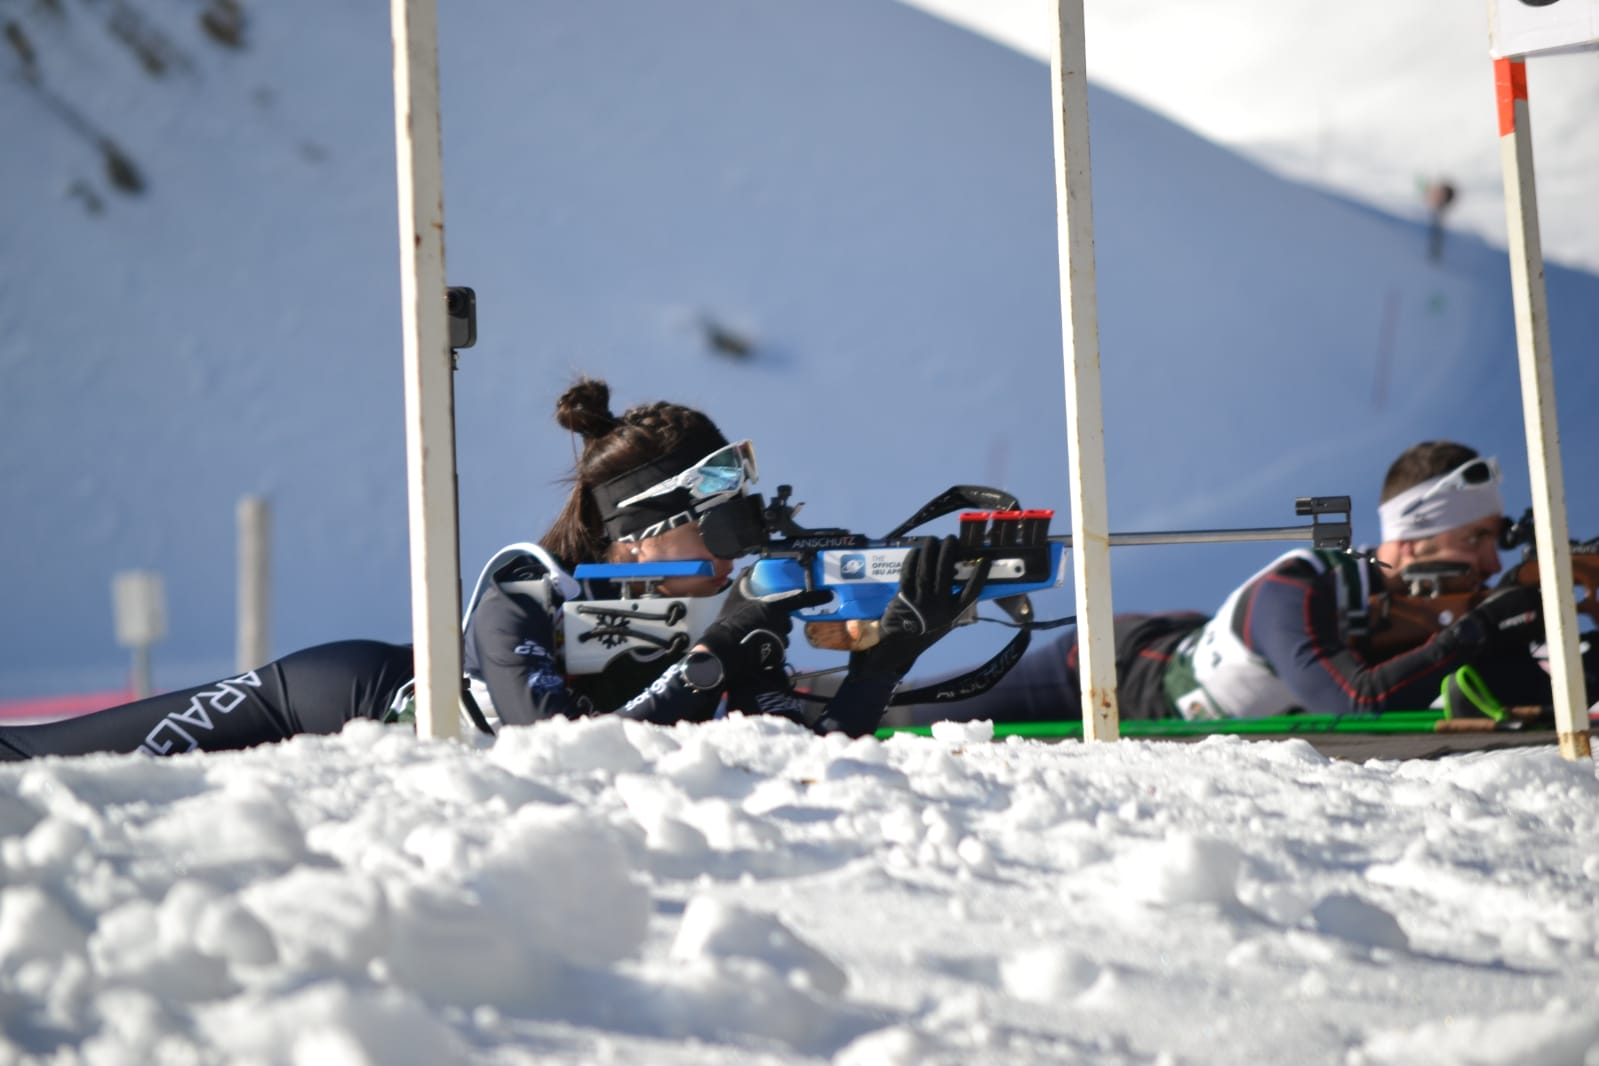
429, 365
254, 519
1074, 213
139, 674
139, 611
1538, 408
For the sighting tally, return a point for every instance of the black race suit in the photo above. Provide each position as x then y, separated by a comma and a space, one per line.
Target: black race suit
316, 690
1045, 685
1292, 638
510, 646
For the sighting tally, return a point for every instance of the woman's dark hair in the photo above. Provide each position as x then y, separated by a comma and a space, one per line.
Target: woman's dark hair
1423, 462
613, 445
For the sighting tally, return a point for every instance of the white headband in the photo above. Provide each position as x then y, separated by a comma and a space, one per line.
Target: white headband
1468, 493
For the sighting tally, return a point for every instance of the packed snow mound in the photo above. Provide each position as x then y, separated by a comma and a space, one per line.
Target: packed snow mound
624, 186
599, 890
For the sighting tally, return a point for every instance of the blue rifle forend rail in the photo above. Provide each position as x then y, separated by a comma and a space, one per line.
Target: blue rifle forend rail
638, 571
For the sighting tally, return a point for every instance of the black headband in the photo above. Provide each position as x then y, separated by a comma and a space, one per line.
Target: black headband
640, 515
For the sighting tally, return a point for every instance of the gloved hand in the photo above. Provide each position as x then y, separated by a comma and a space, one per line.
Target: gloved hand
1465, 695
1510, 618
748, 639
924, 609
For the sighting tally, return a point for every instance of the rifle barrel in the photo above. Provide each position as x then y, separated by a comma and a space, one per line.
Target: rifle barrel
1202, 536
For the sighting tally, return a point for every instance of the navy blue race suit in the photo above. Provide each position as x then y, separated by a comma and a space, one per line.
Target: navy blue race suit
1293, 638
316, 690
510, 646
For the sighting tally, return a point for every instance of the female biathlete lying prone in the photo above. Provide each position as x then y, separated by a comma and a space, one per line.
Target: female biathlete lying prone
643, 483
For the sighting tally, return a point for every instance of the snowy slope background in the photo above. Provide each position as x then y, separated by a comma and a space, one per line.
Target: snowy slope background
863, 191
866, 193
1368, 99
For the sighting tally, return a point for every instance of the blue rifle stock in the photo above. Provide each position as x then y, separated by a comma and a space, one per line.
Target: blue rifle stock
864, 578
863, 573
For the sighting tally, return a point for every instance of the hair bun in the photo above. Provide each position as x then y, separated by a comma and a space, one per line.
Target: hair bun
585, 409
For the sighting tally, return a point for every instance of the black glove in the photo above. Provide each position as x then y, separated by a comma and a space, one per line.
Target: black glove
1465, 695
747, 642
1510, 618
925, 608
923, 611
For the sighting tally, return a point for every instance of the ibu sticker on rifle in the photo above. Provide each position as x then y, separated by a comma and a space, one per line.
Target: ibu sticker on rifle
843, 567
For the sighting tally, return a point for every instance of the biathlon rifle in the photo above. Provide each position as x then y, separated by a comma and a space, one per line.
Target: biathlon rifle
862, 573
1023, 556
1433, 594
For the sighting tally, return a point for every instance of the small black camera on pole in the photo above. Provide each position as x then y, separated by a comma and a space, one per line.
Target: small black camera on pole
460, 304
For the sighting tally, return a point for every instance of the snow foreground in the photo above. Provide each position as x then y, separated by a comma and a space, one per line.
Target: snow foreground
742, 891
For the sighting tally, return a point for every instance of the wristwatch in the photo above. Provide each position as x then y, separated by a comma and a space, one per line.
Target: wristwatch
702, 670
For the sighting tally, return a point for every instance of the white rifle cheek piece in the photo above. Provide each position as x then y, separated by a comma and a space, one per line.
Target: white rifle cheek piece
596, 632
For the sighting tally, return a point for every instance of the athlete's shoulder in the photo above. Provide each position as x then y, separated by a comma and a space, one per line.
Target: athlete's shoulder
523, 569
1318, 561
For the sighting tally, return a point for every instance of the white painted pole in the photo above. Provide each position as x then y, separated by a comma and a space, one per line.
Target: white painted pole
429, 388
1538, 408
1074, 212
139, 677
254, 519
139, 613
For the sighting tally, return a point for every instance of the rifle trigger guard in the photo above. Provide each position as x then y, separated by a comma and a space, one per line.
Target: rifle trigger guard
1019, 607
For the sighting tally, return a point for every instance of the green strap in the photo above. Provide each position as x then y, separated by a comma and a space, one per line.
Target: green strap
1420, 721
1475, 689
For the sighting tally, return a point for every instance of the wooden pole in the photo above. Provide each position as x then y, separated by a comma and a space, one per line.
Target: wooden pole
429, 388
1074, 215
139, 613
139, 674
254, 519
1538, 408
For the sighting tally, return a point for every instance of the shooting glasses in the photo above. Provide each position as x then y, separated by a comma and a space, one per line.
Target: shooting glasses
721, 474
688, 495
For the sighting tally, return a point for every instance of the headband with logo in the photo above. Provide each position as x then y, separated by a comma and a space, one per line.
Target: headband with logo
1468, 493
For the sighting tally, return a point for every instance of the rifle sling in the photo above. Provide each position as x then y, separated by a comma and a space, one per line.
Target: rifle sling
473, 711
954, 498
973, 682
